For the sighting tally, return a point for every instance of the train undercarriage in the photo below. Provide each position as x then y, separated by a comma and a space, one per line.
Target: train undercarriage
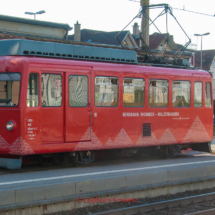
86, 157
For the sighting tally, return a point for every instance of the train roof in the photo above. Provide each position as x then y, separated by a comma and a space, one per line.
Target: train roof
68, 51
47, 50
26, 47
14, 61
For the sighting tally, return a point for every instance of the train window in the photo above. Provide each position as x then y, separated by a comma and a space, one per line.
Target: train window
158, 93
198, 94
181, 94
33, 90
208, 94
78, 91
133, 92
51, 91
106, 91
9, 89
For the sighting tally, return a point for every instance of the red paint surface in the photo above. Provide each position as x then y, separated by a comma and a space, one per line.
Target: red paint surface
61, 129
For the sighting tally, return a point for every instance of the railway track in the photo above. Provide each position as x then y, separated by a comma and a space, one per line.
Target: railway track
193, 205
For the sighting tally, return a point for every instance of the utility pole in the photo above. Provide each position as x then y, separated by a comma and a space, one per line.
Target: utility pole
201, 43
145, 21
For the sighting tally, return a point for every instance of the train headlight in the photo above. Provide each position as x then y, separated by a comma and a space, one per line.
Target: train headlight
9, 126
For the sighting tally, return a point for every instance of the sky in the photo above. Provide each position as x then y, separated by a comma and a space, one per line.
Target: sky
114, 15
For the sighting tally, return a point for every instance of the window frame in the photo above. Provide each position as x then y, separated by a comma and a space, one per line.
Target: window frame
19, 89
41, 89
167, 96
190, 93
39, 79
194, 94
87, 92
144, 93
210, 93
95, 91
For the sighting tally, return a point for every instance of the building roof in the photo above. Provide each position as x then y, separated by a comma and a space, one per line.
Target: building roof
180, 46
156, 39
109, 38
102, 37
35, 22
207, 59
9, 35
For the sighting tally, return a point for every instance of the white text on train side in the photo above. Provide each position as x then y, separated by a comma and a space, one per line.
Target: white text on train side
136, 114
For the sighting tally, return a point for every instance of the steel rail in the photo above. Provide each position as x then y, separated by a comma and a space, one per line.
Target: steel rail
163, 205
205, 212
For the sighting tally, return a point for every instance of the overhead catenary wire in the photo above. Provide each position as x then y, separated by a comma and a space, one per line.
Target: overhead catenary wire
205, 14
194, 12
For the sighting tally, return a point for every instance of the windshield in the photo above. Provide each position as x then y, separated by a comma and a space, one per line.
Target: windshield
9, 89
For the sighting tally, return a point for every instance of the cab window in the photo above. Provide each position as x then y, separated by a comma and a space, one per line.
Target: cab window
33, 90
198, 94
208, 94
9, 89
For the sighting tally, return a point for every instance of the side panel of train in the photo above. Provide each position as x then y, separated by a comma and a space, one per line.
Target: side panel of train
67, 106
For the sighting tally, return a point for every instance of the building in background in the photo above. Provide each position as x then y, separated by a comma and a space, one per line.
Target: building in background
31, 27
157, 42
15, 27
103, 37
208, 64
208, 60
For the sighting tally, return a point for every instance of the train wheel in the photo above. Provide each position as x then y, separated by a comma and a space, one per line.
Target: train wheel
174, 150
83, 158
46, 160
169, 151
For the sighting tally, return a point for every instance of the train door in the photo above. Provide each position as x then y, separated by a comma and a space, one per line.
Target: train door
77, 106
52, 106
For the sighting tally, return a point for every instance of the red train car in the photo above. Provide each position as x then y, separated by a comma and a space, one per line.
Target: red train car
54, 107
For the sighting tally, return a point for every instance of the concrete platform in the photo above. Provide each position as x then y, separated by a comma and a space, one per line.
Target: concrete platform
56, 190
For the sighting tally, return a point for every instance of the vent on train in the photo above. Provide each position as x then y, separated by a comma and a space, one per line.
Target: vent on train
146, 129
